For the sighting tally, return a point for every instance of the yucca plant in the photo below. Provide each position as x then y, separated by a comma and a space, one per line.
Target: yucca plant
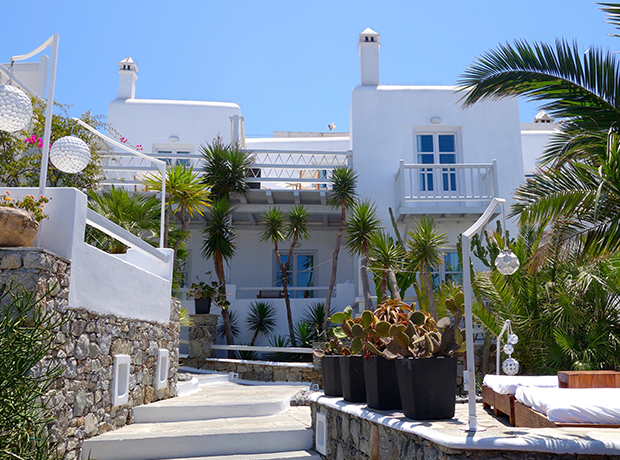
362, 223
261, 319
343, 196
315, 315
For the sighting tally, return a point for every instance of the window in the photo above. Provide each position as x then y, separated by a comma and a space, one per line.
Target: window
301, 274
450, 271
437, 149
173, 161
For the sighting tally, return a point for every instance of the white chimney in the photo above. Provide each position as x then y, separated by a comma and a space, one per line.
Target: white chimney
127, 76
369, 57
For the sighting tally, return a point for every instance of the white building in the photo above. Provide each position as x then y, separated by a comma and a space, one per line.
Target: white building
415, 149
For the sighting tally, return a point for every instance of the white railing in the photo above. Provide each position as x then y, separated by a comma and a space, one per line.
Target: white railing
270, 169
118, 233
445, 182
307, 351
277, 292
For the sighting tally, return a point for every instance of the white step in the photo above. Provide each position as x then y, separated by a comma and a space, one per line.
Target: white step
230, 436
219, 400
296, 455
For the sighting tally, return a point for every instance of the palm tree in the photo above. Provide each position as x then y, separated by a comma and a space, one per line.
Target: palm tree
386, 257
261, 319
361, 225
276, 230
187, 196
225, 170
219, 243
343, 196
136, 213
571, 194
581, 88
424, 245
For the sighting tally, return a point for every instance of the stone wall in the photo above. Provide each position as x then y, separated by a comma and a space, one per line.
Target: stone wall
81, 399
353, 438
202, 336
267, 371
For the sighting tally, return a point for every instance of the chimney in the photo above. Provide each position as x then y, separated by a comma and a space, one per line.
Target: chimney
369, 57
127, 76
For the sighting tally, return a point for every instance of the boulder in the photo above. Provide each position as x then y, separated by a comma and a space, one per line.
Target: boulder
17, 227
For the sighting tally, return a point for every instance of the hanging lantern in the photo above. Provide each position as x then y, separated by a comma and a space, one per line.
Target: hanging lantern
510, 366
513, 339
509, 349
507, 262
15, 109
70, 154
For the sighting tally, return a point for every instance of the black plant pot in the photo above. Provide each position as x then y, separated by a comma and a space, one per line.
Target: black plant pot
381, 384
427, 387
330, 367
352, 376
203, 306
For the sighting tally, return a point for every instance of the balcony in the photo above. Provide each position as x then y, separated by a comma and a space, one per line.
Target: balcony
444, 189
271, 169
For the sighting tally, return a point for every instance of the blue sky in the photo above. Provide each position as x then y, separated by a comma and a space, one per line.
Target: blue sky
290, 65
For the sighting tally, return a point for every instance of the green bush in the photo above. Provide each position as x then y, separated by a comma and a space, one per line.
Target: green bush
27, 331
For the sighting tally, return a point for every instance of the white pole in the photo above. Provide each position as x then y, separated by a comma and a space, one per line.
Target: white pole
52, 42
469, 322
47, 132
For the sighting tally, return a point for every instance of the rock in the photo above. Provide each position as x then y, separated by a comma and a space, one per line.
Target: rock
17, 228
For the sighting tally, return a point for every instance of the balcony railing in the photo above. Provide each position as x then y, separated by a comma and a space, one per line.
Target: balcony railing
271, 169
418, 183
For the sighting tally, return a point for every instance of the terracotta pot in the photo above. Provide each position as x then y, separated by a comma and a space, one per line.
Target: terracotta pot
17, 228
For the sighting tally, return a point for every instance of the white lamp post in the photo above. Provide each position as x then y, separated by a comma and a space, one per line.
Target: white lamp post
52, 42
467, 290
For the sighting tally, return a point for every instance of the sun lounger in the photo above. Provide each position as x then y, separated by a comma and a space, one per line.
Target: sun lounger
567, 407
498, 390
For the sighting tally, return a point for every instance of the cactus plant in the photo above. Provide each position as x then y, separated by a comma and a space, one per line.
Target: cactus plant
395, 330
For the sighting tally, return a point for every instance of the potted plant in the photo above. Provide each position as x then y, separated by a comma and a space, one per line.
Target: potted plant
351, 362
203, 293
330, 355
19, 219
372, 332
427, 368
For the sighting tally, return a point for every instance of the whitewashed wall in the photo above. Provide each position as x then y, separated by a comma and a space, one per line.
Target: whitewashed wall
534, 139
100, 282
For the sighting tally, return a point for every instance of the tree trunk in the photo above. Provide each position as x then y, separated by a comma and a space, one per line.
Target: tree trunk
184, 224
218, 264
332, 280
428, 286
384, 289
393, 284
364, 276
254, 338
287, 299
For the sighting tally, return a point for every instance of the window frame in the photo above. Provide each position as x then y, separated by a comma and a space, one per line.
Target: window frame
296, 271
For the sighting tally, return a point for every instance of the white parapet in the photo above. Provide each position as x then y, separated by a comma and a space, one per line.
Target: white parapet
136, 285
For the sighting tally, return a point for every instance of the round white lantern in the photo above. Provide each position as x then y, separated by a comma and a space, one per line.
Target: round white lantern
509, 349
507, 262
70, 154
15, 109
513, 339
510, 366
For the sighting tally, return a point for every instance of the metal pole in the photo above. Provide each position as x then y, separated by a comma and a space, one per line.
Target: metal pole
47, 132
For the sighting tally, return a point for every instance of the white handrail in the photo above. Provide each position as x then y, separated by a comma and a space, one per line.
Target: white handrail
307, 351
110, 228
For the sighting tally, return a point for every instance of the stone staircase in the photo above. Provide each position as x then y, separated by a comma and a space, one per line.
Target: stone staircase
220, 420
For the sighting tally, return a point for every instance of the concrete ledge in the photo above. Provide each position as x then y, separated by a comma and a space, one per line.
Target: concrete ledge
393, 432
264, 371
